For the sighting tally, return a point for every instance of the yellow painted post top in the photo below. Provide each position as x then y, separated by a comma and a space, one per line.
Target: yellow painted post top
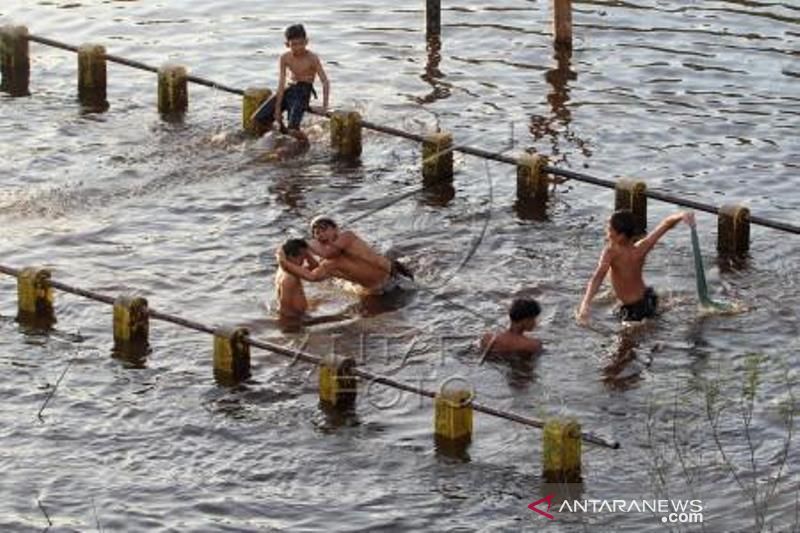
15, 60
453, 411
346, 133
437, 157
131, 320
561, 451
532, 182
337, 384
231, 355
173, 92
631, 195
251, 101
733, 230
34, 294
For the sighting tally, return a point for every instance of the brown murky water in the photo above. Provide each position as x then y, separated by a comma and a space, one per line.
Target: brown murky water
700, 99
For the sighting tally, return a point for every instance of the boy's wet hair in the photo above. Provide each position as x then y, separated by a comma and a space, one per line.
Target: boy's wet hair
295, 31
523, 308
322, 222
294, 247
623, 222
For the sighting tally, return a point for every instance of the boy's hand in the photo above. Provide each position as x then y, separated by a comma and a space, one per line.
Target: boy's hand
582, 315
688, 217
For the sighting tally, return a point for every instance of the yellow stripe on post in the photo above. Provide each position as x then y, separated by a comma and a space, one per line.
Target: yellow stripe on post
173, 91
251, 101
532, 182
561, 451
131, 325
92, 77
733, 230
346, 134
231, 355
35, 296
437, 158
337, 384
453, 416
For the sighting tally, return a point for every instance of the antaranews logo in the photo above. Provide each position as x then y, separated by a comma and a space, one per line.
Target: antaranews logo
670, 511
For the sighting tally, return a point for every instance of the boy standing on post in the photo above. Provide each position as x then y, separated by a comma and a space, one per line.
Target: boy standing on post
625, 257
304, 66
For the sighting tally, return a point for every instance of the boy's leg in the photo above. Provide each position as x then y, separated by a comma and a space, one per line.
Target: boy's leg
265, 114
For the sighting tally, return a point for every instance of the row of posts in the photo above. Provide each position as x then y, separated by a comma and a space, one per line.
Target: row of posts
338, 388
345, 134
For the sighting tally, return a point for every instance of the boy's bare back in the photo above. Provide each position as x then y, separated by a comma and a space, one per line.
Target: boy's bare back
290, 294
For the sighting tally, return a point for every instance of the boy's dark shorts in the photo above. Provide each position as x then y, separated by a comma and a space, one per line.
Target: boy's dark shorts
295, 102
644, 308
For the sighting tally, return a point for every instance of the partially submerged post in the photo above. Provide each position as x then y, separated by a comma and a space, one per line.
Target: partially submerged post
231, 355
532, 181
92, 77
631, 195
561, 452
35, 297
733, 230
346, 134
131, 325
433, 18
437, 158
251, 101
15, 61
562, 24
173, 93
337, 384
453, 416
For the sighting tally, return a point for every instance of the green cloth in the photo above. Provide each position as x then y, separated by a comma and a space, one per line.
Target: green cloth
700, 276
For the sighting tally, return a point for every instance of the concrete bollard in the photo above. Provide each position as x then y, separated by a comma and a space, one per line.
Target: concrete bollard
346, 134
561, 452
35, 296
231, 355
337, 384
131, 325
562, 24
433, 18
453, 416
252, 99
15, 60
532, 182
173, 92
92, 77
631, 195
437, 158
733, 230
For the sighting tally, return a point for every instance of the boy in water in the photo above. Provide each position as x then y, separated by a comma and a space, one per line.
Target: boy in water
625, 257
346, 256
523, 315
289, 292
304, 65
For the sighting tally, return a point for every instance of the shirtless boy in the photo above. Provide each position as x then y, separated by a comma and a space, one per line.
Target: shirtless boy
346, 256
625, 257
523, 315
289, 292
304, 66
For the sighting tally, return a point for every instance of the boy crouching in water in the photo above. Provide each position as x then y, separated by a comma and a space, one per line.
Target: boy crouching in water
523, 315
625, 257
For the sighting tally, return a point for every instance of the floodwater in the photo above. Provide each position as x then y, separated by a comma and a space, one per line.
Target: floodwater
697, 98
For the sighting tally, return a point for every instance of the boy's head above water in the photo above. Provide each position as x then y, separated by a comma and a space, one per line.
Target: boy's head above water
294, 249
324, 229
296, 39
621, 226
524, 312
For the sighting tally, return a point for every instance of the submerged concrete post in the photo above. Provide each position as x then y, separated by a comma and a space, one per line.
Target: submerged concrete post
173, 92
733, 230
337, 384
433, 18
631, 195
92, 76
35, 295
453, 415
437, 158
532, 181
15, 60
561, 452
231, 355
562, 24
346, 134
131, 324
252, 99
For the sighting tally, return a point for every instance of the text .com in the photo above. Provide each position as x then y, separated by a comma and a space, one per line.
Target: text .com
670, 511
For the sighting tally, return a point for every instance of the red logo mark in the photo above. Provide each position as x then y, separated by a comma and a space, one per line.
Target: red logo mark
547, 499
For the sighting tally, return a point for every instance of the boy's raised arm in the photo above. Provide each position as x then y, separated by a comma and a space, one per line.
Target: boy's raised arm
664, 226
594, 284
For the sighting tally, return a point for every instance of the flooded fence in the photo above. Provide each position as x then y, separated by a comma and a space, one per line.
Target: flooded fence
534, 173
339, 376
